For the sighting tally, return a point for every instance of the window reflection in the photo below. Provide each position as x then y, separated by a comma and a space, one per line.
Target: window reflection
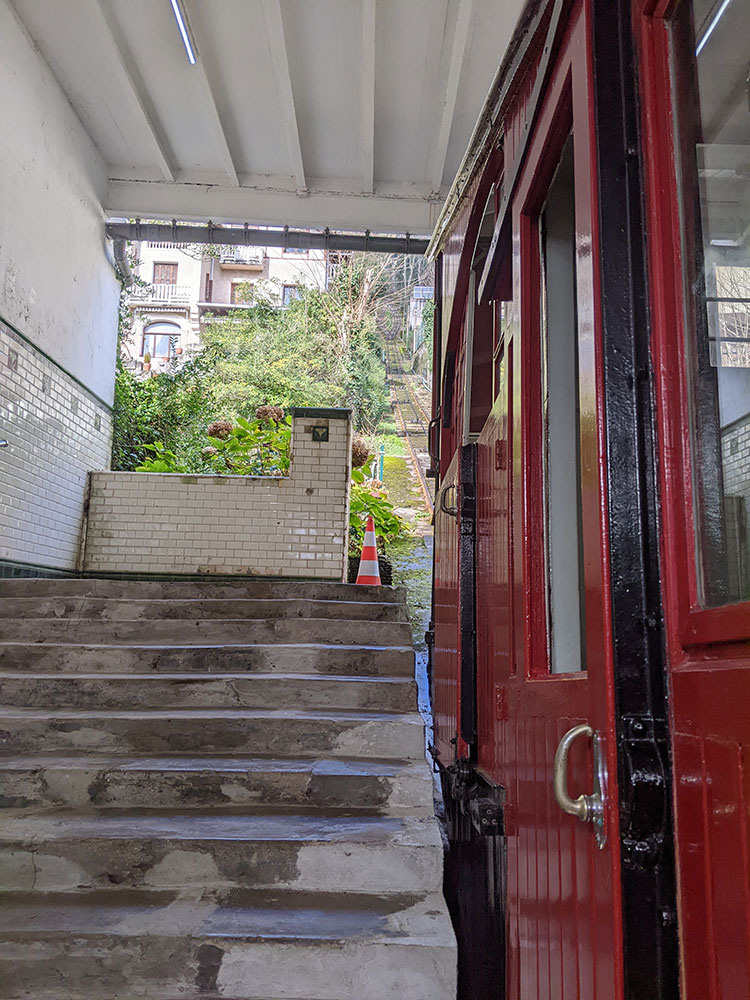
710, 70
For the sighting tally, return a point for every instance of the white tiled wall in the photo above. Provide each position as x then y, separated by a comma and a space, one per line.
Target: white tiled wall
291, 527
57, 432
735, 448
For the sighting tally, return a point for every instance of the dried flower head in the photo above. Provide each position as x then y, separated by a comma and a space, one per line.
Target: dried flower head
275, 413
209, 452
220, 429
360, 452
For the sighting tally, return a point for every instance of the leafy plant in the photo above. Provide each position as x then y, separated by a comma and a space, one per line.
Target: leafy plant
172, 408
164, 460
250, 447
368, 498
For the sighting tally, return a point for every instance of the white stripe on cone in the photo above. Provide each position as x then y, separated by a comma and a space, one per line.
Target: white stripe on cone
369, 570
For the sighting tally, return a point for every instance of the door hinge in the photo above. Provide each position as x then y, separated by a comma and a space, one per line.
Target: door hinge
486, 813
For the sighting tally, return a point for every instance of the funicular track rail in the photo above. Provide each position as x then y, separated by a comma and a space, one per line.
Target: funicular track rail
411, 417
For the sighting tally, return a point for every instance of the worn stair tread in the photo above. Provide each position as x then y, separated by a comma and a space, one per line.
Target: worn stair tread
208, 762
303, 658
178, 609
281, 714
209, 631
40, 782
194, 826
239, 647
245, 915
249, 588
195, 676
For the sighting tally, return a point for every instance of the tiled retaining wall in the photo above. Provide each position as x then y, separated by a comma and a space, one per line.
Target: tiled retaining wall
290, 527
735, 447
57, 432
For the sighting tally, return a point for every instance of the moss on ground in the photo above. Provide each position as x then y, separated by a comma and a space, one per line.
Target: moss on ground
412, 568
394, 444
401, 483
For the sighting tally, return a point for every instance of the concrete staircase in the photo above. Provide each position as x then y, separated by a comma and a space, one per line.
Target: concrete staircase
215, 790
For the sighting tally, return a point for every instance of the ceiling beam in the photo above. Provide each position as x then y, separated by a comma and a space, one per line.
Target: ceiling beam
283, 83
270, 207
227, 160
137, 90
367, 109
458, 51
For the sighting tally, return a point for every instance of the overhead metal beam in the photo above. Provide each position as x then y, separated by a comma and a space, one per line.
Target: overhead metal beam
227, 160
458, 50
367, 109
286, 238
138, 91
283, 82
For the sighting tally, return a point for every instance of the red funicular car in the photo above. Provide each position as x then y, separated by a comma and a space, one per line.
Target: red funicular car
590, 665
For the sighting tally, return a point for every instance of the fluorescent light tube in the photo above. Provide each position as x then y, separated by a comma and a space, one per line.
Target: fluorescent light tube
181, 24
710, 29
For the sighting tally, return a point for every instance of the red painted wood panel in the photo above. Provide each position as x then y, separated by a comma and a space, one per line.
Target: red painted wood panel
708, 649
493, 573
446, 656
564, 929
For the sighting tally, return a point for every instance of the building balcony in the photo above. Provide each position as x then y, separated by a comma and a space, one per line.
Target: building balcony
173, 295
243, 258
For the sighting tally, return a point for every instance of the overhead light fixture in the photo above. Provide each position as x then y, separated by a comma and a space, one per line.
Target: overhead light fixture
710, 29
182, 25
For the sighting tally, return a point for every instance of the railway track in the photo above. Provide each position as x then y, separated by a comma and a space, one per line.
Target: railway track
411, 417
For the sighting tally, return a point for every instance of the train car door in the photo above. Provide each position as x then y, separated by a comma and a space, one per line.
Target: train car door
694, 59
552, 742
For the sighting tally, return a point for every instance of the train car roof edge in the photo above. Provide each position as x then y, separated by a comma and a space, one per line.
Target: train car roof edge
489, 127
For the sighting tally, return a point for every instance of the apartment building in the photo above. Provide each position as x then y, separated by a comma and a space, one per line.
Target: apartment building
181, 289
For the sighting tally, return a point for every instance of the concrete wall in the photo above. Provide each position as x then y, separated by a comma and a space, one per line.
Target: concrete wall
287, 527
59, 292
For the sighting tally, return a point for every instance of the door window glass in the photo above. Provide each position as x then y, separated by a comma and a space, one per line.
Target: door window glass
561, 423
711, 90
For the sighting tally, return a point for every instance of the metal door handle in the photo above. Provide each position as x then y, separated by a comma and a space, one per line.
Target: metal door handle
586, 808
434, 457
4, 444
453, 511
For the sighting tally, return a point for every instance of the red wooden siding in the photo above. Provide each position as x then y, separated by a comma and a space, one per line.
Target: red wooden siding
708, 649
446, 658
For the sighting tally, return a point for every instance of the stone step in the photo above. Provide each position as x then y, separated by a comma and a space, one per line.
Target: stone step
140, 590
276, 733
253, 946
286, 658
119, 609
80, 781
207, 851
201, 632
193, 690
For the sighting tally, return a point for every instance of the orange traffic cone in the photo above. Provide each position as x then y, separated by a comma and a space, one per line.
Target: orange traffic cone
369, 571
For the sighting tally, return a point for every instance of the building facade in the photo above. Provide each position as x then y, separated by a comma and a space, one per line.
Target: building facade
179, 289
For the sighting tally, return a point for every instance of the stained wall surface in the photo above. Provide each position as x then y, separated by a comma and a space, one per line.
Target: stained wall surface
58, 312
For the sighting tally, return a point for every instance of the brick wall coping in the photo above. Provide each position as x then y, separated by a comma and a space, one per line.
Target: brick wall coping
197, 477
323, 412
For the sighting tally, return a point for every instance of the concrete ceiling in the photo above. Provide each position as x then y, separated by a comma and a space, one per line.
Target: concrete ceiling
351, 114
